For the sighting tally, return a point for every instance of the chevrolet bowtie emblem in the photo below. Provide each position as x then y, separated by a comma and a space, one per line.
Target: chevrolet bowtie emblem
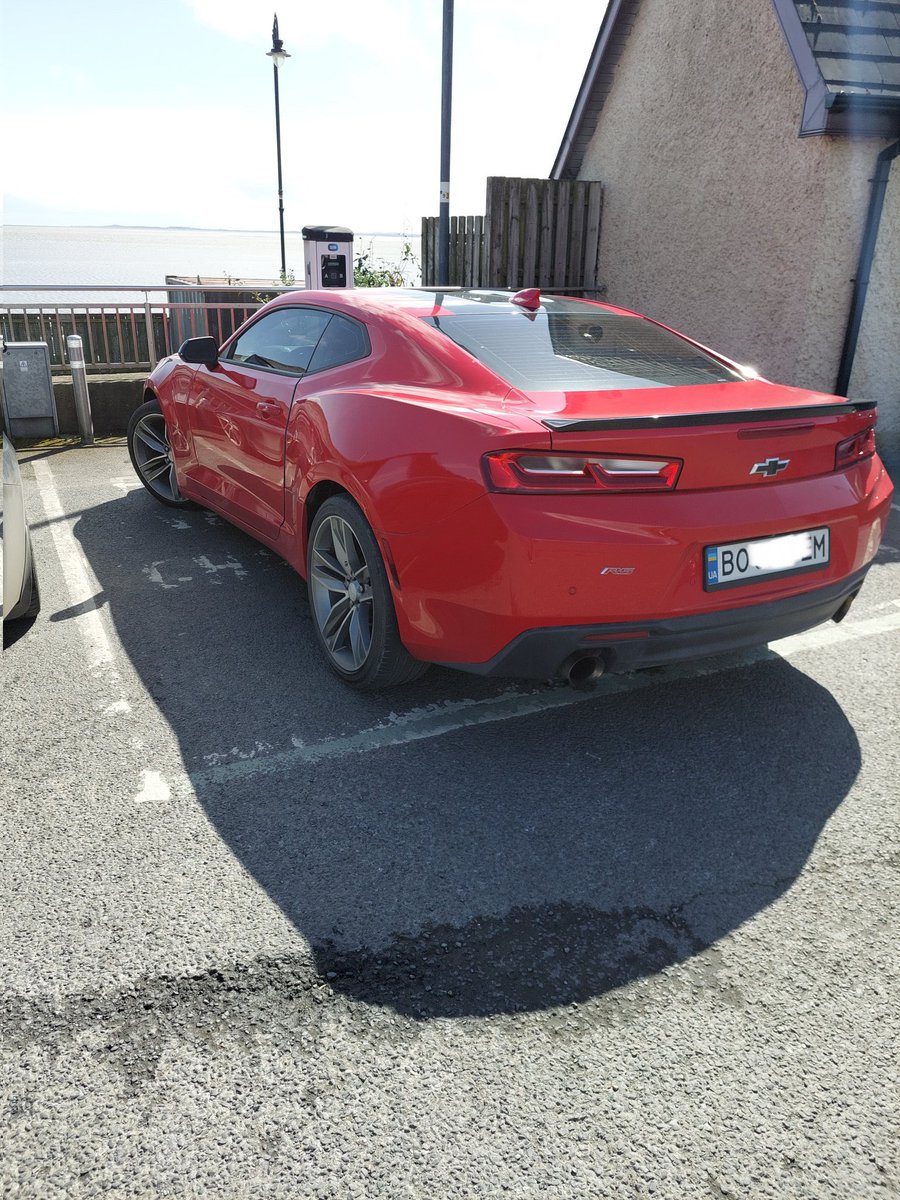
770, 467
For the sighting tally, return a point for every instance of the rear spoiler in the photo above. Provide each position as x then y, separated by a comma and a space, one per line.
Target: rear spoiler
735, 417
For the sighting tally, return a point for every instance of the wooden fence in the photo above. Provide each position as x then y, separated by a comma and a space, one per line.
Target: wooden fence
467, 265
535, 233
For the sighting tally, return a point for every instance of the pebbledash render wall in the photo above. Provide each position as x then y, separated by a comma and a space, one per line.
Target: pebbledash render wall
720, 220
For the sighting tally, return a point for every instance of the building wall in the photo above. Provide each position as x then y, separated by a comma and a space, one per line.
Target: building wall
717, 217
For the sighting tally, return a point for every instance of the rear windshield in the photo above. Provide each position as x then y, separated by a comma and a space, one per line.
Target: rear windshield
583, 350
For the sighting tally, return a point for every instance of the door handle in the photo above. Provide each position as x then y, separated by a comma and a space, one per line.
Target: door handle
266, 410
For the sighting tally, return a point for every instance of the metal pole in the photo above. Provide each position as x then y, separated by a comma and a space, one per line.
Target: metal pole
443, 263
151, 337
280, 194
278, 54
75, 354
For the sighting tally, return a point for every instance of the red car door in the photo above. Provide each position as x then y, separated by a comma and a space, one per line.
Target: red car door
239, 413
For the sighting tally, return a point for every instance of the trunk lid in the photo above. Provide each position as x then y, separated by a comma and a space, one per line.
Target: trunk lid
725, 434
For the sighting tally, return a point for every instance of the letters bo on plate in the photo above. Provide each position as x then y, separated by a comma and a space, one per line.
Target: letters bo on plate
736, 563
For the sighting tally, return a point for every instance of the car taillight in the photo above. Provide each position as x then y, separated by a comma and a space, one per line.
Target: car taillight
524, 471
855, 449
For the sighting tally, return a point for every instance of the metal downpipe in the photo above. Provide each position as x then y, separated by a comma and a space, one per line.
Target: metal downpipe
864, 267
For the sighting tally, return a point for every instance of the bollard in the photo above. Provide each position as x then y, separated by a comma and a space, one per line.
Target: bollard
75, 352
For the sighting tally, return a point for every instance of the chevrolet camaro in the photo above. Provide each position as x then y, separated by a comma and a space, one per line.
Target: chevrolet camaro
517, 484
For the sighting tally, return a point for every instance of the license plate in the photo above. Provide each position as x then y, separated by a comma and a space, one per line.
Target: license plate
765, 558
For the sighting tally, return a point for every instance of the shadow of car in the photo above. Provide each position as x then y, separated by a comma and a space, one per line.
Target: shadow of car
500, 868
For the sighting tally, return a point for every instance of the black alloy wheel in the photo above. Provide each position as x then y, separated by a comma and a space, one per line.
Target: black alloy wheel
151, 455
351, 602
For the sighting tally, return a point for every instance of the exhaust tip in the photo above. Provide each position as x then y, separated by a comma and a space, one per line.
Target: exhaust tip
839, 615
581, 670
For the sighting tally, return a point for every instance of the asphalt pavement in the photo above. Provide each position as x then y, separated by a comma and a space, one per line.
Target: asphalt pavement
261, 936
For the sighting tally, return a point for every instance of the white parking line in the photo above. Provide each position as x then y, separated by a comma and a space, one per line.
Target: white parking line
83, 587
834, 635
438, 720
155, 789
81, 582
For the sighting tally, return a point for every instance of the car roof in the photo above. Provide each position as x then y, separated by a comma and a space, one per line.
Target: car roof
435, 302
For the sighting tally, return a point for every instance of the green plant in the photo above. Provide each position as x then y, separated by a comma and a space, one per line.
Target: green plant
369, 271
286, 279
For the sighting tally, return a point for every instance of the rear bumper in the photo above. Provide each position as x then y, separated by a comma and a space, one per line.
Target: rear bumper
540, 653
509, 568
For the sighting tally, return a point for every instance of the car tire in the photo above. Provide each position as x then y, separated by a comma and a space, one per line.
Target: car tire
28, 605
150, 452
351, 603
34, 604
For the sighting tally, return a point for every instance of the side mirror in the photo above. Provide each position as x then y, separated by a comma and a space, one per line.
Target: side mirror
201, 350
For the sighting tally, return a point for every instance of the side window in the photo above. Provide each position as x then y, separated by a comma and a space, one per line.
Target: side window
342, 342
283, 340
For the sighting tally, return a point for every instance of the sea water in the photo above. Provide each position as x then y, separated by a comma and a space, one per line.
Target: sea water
126, 256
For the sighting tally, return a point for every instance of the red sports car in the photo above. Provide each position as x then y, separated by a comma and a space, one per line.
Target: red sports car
517, 485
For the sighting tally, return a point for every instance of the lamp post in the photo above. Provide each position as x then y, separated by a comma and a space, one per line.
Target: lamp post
443, 263
278, 54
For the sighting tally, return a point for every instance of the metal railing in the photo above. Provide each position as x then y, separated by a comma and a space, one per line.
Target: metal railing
132, 333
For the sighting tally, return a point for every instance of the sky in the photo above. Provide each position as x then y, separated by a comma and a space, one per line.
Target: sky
162, 112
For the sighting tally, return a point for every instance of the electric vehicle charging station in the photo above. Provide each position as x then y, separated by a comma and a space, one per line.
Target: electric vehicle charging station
328, 250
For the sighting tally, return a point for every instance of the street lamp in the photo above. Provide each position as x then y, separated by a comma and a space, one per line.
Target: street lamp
443, 263
278, 54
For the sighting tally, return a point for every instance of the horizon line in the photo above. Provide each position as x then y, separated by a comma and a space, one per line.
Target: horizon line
196, 229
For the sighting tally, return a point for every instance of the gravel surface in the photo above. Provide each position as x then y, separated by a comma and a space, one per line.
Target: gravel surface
263, 937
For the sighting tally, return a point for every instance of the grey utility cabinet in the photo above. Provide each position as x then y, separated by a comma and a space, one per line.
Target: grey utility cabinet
29, 406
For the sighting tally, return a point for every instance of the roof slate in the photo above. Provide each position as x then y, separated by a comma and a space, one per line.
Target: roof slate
847, 54
856, 44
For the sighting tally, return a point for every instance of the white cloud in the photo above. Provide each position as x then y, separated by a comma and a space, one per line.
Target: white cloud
377, 185
178, 186
360, 132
